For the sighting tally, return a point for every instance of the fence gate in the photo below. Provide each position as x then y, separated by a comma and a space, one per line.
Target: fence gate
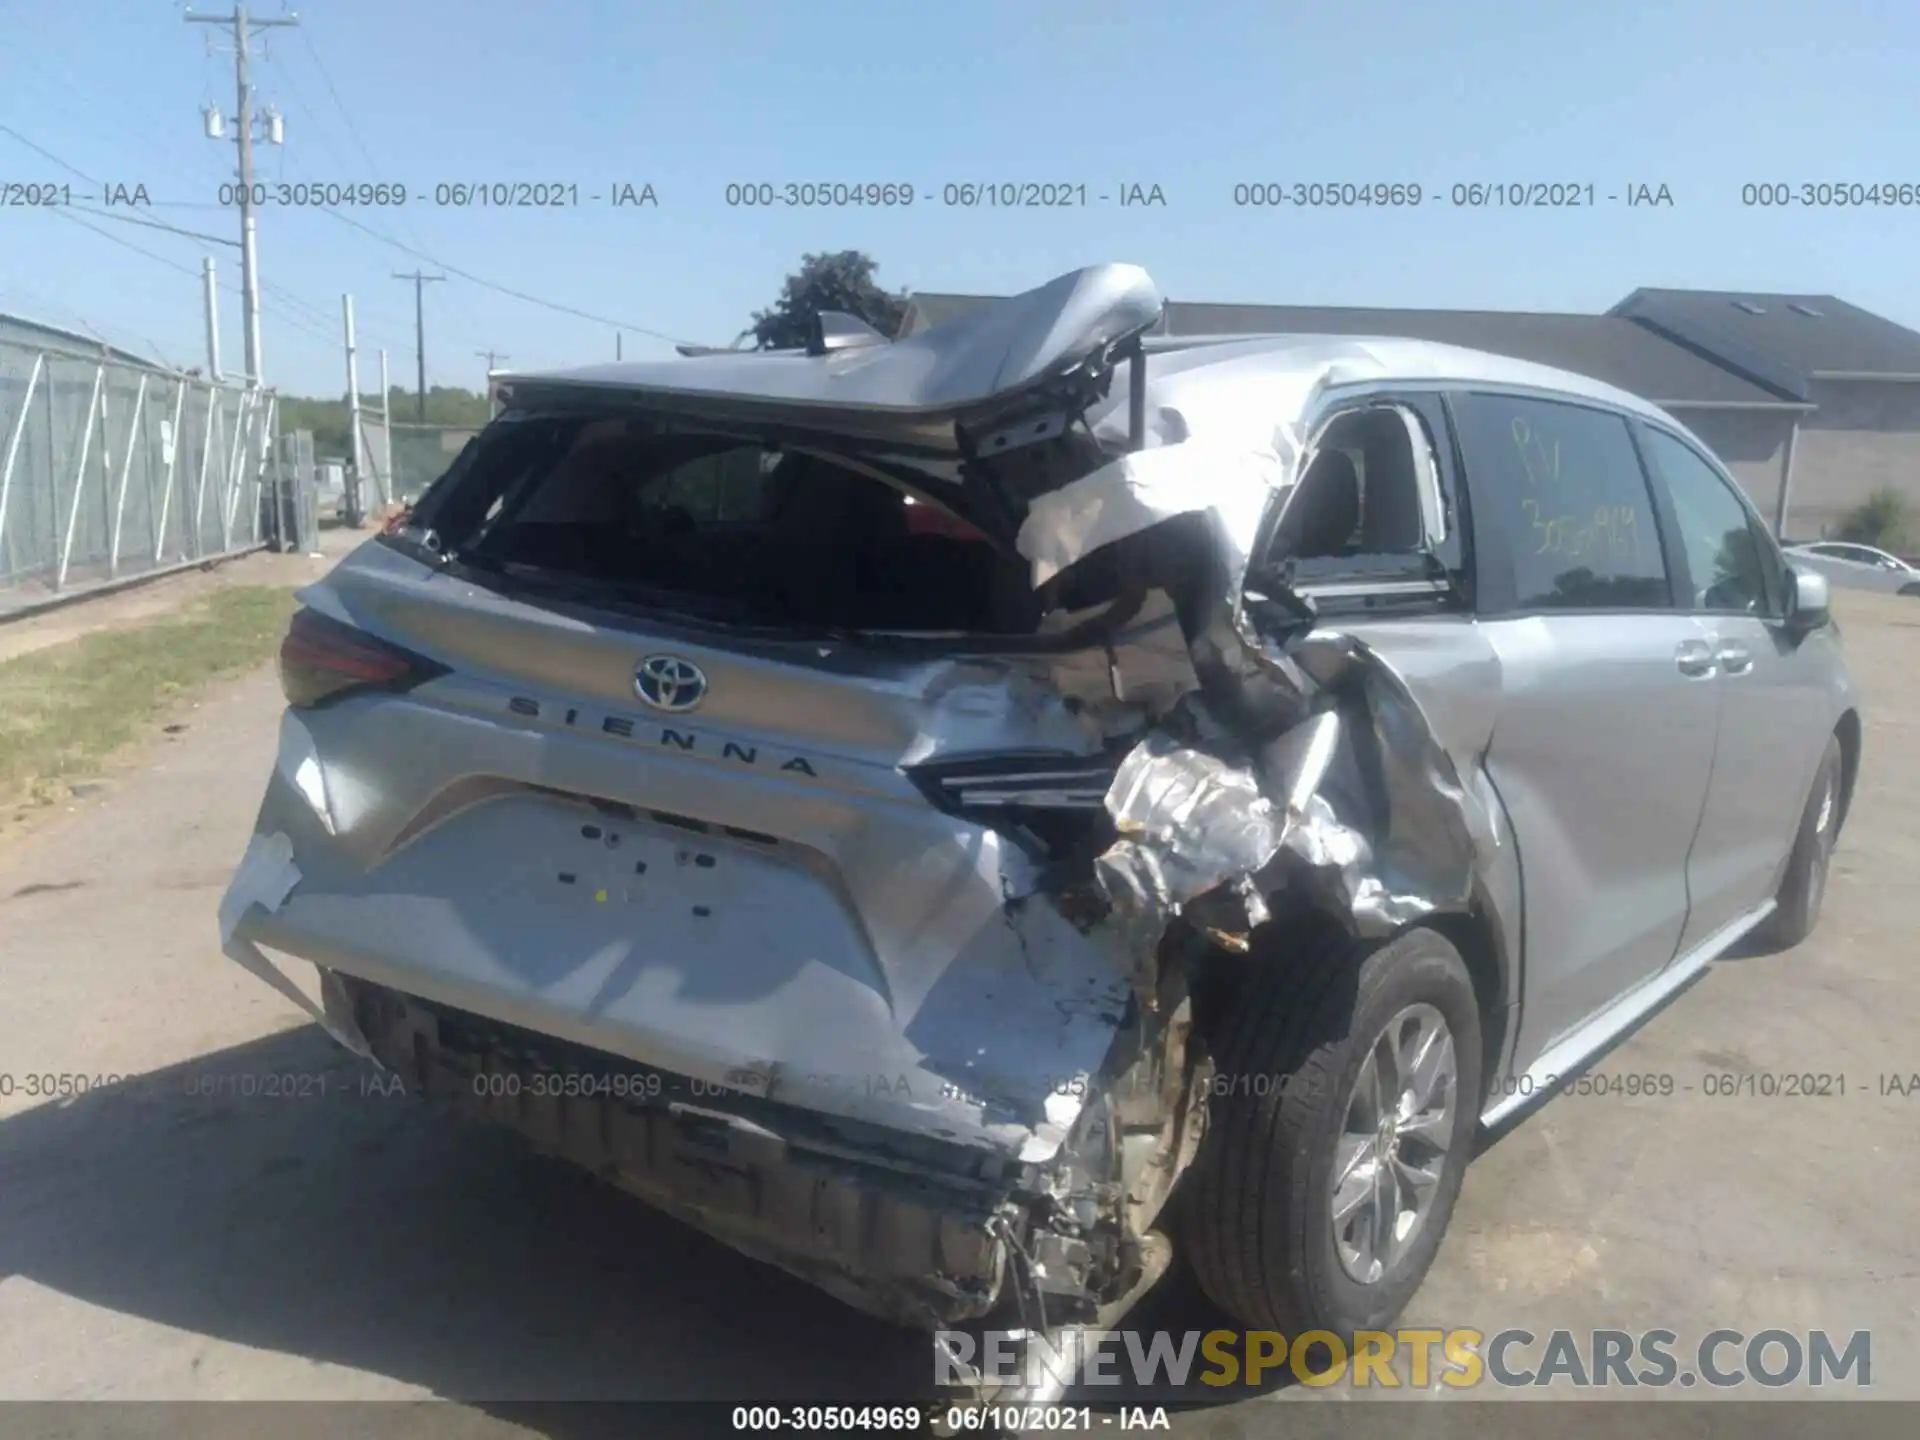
376, 455
299, 495
110, 471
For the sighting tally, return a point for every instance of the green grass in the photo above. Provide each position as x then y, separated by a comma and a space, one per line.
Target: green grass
65, 709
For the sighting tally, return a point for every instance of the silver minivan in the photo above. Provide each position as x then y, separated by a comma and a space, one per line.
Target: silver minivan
973, 819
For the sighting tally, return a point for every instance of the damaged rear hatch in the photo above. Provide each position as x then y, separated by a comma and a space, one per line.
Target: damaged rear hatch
706, 713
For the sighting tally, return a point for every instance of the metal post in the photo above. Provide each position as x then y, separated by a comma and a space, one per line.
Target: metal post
249, 255
1780, 514
243, 459
386, 431
1137, 396
126, 474
243, 31
355, 501
230, 477
208, 431
80, 475
420, 281
243, 442
13, 440
173, 457
260, 465
213, 319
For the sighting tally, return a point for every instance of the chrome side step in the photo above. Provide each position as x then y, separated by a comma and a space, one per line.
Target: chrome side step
1567, 1057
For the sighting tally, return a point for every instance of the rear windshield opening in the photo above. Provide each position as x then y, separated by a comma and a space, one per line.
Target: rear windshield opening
725, 529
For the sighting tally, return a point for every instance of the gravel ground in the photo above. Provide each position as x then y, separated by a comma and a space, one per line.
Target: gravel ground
158, 1242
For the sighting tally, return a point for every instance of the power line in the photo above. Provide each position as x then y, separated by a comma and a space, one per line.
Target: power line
373, 167
153, 225
65, 213
319, 333
48, 154
486, 284
353, 129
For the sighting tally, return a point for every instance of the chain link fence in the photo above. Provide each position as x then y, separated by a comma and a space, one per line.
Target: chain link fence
420, 455
111, 471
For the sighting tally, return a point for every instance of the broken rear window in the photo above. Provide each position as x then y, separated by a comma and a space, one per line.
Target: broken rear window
724, 528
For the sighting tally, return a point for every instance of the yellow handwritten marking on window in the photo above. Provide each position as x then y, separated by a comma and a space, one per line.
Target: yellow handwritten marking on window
1610, 531
1539, 455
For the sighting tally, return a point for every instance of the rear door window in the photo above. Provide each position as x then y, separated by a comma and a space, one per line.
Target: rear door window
1562, 506
1731, 568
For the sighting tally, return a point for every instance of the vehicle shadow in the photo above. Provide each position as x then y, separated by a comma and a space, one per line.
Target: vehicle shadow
268, 1195
369, 1231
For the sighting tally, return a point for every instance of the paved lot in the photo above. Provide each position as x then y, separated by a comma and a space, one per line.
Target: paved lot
157, 1243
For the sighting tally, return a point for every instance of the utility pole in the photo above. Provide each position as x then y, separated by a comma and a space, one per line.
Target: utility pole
356, 508
213, 318
617, 345
386, 429
244, 30
490, 356
420, 334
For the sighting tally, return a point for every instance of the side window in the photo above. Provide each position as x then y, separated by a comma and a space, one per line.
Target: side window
1371, 489
1566, 490
1727, 561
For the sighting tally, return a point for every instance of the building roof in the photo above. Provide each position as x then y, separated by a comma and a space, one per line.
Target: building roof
1603, 347
1776, 338
39, 335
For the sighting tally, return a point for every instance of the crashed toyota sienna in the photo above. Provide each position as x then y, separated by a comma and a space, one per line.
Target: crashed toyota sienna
977, 818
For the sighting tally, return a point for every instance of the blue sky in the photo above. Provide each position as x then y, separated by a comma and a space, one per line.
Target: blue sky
1193, 97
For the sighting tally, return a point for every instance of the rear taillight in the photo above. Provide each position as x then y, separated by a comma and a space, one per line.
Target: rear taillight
322, 660
1018, 782
1053, 802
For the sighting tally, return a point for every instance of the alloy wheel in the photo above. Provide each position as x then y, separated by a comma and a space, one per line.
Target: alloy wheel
1392, 1149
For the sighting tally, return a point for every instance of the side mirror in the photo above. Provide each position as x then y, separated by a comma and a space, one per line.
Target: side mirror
1810, 605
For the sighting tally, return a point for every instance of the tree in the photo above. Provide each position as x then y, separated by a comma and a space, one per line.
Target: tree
837, 280
1884, 519
447, 405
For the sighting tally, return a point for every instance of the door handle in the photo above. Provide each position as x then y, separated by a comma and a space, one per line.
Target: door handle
1733, 658
1695, 659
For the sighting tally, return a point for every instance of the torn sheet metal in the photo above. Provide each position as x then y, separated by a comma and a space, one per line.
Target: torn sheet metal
1188, 822
1359, 806
1137, 491
266, 877
1389, 835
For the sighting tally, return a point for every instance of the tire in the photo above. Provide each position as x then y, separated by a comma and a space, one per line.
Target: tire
1256, 1216
1804, 883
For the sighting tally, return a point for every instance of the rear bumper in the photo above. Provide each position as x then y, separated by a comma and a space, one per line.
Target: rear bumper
881, 1226
736, 962
927, 1158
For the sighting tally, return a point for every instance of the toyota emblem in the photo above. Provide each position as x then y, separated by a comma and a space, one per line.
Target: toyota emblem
669, 683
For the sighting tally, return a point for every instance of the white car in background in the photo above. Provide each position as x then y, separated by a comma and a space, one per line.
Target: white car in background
1858, 567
